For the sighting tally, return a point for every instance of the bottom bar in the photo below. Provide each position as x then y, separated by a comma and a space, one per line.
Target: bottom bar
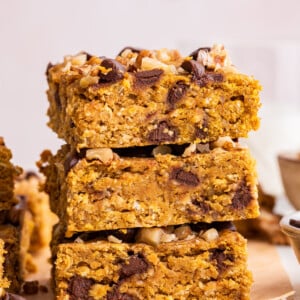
208, 264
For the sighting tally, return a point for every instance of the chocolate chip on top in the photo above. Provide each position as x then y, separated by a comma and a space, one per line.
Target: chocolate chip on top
115, 73
132, 49
176, 93
195, 68
195, 53
147, 78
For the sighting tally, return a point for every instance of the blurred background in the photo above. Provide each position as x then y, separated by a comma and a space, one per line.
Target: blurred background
262, 37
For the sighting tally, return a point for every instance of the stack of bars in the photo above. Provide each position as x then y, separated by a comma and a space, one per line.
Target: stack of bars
151, 176
10, 234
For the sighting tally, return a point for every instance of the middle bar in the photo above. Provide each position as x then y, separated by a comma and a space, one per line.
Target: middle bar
106, 189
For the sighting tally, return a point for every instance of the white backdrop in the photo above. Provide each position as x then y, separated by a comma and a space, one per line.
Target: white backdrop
263, 38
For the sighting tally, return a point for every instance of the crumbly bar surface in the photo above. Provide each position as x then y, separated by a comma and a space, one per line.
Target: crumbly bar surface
4, 283
210, 264
8, 172
10, 235
100, 190
148, 97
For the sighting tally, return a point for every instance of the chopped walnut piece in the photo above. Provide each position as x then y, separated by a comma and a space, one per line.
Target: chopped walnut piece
105, 155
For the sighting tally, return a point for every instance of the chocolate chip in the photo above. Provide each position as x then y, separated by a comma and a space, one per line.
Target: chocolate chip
220, 257
203, 206
116, 295
16, 211
133, 49
184, 177
147, 78
115, 74
195, 68
31, 287
71, 160
295, 223
194, 54
137, 264
177, 91
242, 196
210, 78
202, 132
10, 296
163, 133
78, 288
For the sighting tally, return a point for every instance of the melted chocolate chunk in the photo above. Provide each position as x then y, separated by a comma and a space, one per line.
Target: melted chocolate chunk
137, 264
202, 132
194, 54
177, 92
242, 196
220, 257
133, 49
195, 68
31, 287
204, 207
115, 74
79, 287
147, 78
163, 133
184, 177
210, 78
295, 223
16, 211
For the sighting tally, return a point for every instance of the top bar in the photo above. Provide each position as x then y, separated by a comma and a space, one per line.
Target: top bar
150, 97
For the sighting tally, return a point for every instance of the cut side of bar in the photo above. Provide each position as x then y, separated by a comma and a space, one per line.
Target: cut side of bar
210, 265
91, 192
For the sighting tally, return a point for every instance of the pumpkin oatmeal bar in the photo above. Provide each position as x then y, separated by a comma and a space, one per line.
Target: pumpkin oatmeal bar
200, 261
102, 189
149, 97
